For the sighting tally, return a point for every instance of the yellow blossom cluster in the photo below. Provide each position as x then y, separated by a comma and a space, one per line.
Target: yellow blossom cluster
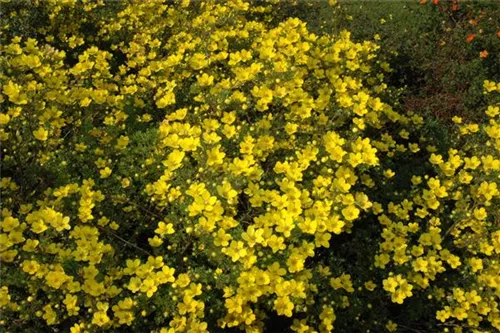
197, 167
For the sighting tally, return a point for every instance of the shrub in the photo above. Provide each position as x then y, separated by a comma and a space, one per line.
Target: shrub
193, 167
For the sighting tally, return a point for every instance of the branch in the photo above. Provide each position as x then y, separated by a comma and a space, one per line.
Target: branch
125, 241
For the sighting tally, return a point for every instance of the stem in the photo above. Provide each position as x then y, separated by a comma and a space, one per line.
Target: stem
125, 241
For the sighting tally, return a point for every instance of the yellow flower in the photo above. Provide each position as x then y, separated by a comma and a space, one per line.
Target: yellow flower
4, 119
30, 245
49, 315
390, 284
9, 223
295, 263
198, 61
322, 239
234, 304
167, 99
56, 279
493, 111
30, 266
183, 280
370, 285
489, 86
350, 213
389, 173
480, 213
125, 317
215, 156
149, 287
476, 264
134, 284
253, 236
167, 274
221, 238
106, 172
205, 80
100, 318
229, 118
85, 102
70, 302
391, 326
76, 328
284, 306
443, 315
276, 243
236, 250
155, 241
122, 142
60, 222
41, 134
227, 191
13, 91
165, 229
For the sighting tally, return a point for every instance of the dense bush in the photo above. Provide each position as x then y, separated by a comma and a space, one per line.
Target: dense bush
441, 51
191, 167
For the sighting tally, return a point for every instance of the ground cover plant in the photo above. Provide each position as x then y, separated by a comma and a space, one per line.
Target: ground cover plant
235, 166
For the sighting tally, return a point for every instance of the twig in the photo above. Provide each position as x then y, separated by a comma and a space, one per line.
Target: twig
456, 325
125, 241
139, 206
410, 328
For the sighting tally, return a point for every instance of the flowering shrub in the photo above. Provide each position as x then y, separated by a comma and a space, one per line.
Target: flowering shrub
194, 167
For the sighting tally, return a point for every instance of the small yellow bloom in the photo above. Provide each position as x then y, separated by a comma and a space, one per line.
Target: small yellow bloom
155, 241
41, 134
105, 173
350, 213
391, 326
389, 173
